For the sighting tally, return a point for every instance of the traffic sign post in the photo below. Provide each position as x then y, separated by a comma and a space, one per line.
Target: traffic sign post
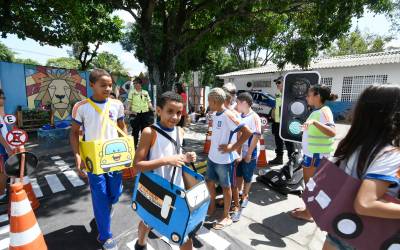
264, 123
17, 137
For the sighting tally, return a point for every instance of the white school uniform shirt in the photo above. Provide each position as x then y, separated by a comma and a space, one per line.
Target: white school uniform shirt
253, 121
162, 147
85, 115
225, 124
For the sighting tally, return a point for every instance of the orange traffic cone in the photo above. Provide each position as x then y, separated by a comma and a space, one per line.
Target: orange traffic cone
29, 192
207, 143
25, 233
128, 174
262, 158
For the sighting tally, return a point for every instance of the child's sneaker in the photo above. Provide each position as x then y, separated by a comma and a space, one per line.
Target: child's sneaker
140, 247
110, 244
236, 215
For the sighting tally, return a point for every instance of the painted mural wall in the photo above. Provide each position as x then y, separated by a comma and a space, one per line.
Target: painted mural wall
60, 88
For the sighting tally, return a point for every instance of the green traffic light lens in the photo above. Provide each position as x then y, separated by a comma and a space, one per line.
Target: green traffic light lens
295, 127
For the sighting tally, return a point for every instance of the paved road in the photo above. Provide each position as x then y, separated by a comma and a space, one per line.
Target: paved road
65, 215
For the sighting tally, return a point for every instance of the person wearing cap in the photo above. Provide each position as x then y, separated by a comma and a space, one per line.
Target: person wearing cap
276, 117
139, 103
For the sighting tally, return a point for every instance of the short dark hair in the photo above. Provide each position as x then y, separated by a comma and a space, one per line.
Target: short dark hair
324, 92
245, 96
113, 94
137, 80
167, 97
96, 74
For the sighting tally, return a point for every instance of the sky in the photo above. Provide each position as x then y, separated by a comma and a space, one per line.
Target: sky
376, 24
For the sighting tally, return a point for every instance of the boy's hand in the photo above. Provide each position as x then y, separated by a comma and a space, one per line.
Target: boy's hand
80, 166
176, 160
190, 157
247, 159
226, 148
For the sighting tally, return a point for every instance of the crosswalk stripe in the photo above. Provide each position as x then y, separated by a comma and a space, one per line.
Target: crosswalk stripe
4, 229
4, 243
74, 178
3, 218
36, 189
54, 183
56, 157
63, 168
172, 245
213, 239
131, 245
60, 163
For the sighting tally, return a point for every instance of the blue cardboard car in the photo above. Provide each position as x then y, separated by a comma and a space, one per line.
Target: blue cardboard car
168, 209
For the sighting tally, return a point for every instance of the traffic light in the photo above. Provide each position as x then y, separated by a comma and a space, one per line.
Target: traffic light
295, 110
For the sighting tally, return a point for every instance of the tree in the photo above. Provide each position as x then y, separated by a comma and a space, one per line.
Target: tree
85, 25
165, 30
357, 43
63, 62
6, 54
26, 61
109, 62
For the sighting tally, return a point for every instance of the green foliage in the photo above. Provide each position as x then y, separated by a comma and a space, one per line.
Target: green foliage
26, 61
6, 55
175, 36
109, 62
63, 62
357, 43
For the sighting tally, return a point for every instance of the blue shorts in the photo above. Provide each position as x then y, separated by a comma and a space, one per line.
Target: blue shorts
311, 161
246, 170
223, 174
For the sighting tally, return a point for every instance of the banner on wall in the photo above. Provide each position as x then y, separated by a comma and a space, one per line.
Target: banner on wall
60, 88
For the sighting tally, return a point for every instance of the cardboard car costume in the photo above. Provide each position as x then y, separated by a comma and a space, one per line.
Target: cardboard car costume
330, 196
167, 208
101, 156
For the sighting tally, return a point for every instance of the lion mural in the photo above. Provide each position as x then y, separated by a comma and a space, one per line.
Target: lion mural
61, 88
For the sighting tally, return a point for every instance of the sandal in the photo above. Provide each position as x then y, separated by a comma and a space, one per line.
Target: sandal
298, 214
223, 224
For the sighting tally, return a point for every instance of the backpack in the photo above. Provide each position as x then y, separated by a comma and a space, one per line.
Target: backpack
288, 179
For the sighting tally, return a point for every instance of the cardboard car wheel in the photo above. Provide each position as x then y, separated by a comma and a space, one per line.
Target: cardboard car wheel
175, 238
89, 164
392, 243
134, 206
348, 226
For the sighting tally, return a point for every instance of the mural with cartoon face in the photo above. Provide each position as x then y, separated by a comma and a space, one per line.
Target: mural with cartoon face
60, 88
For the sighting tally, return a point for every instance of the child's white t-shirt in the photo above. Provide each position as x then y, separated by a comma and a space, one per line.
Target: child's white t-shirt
253, 121
224, 125
85, 115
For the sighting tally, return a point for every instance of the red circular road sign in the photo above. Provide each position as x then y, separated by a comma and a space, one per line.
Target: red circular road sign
17, 137
10, 119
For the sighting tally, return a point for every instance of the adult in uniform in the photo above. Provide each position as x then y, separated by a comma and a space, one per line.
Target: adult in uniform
139, 103
276, 117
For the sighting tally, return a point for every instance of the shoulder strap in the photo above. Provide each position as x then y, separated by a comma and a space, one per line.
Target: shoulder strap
176, 144
105, 117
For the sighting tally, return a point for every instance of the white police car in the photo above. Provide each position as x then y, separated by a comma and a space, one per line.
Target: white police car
262, 102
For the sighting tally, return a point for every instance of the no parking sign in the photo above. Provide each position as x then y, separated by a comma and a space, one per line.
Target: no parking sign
264, 123
17, 137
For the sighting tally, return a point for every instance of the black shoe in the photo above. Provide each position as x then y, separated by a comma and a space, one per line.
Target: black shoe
276, 161
140, 247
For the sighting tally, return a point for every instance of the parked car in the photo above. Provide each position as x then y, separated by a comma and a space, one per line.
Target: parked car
263, 102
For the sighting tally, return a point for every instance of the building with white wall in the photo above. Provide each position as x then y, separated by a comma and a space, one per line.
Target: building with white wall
348, 75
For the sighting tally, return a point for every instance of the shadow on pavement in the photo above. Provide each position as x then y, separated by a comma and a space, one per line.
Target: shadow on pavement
279, 226
261, 195
73, 237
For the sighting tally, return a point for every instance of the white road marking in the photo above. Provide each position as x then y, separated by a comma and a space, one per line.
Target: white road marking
36, 188
74, 178
54, 183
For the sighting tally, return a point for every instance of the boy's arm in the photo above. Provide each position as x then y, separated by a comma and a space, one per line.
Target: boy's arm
245, 135
141, 162
74, 141
253, 145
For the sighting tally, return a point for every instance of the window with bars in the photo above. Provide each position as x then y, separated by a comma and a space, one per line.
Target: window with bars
327, 81
353, 86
